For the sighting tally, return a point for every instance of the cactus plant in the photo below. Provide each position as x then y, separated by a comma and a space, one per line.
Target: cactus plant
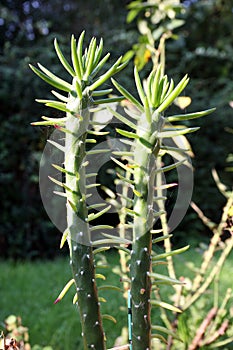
77, 127
148, 128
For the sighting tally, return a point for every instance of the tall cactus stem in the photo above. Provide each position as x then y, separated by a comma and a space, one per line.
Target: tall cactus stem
81, 253
141, 250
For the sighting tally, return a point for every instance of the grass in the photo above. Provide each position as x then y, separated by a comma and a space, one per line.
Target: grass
29, 289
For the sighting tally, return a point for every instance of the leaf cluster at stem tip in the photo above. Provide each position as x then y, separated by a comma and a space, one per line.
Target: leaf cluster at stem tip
84, 69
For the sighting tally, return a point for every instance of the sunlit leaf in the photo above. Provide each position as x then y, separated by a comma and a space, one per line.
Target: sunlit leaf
182, 101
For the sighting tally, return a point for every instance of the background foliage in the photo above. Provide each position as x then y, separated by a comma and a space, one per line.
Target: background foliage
203, 49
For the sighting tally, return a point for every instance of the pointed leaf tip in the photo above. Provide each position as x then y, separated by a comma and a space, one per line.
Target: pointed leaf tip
64, 291
109, 317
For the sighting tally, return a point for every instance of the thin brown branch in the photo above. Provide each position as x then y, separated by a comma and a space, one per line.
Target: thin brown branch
211, 249
222, 188
221, 331
217, 232
218, 266
206, 221
201, 330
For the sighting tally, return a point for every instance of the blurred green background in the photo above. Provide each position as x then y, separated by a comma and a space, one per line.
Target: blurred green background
203, 49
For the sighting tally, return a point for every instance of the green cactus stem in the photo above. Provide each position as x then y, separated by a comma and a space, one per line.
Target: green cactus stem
76, 127
147, 134
143, 222
81, 253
